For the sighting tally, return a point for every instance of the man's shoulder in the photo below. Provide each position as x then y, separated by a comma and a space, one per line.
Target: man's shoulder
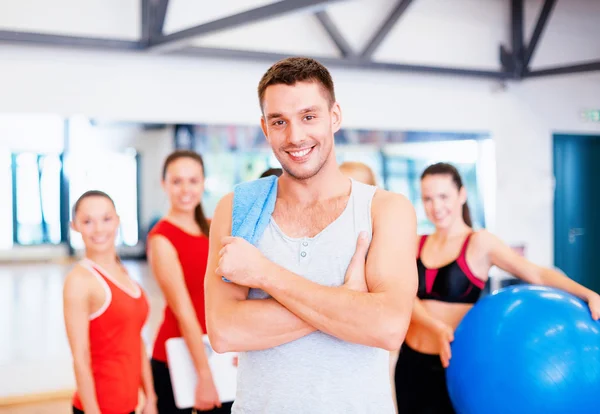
386, 203
226, 200
393, 216
388, 199
223, 208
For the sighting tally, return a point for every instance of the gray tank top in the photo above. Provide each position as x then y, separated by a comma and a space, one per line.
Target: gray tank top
317, 374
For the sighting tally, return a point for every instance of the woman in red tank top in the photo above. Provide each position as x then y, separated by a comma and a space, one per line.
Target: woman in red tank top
105, 311
178, 253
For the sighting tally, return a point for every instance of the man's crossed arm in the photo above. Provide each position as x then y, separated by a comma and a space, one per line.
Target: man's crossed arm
372, 308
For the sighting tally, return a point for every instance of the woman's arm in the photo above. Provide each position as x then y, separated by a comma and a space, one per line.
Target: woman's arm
147, 381
167, 269
504, 257
421, 317
76, 309
443, 331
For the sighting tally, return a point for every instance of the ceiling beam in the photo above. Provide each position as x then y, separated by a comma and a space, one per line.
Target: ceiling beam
153, 14
160, 7
348, 63
146, 17
593, 66
44, 39
335, 34
269, 58
385, 28
279, 8
538, 30
518, 45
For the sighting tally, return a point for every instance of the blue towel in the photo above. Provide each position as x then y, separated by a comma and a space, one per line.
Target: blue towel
253, 204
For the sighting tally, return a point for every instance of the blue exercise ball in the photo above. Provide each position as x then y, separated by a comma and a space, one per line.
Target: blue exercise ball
526, 349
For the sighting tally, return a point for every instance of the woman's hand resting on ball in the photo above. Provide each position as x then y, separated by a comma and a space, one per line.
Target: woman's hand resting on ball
594, 305
445, 335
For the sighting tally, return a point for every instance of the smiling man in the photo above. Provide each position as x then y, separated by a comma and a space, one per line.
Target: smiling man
310, 313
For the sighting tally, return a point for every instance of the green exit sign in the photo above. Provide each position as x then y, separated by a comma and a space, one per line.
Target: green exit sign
591, 115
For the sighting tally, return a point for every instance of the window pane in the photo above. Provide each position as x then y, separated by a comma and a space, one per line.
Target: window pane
221, 175
29, 212
399, 185
253, 164
6, 220
406, 161
225, 169
366, 154
397, 166
50, 189
38, 198
116, 175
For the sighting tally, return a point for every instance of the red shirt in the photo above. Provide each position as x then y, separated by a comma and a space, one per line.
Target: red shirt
116, 345
192, 251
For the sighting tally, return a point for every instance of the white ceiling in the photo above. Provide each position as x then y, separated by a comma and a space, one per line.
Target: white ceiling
457, 33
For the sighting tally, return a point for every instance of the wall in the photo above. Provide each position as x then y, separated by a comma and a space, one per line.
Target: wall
153, 146
45, 133
116, 19
27, 132
520, 117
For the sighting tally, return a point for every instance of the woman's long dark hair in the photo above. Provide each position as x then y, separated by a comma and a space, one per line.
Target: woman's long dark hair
198, 212
442, 168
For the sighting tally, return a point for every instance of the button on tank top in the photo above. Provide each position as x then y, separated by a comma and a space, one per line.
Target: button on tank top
317, 373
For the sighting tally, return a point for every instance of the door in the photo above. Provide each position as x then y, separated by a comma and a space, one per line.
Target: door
576, 207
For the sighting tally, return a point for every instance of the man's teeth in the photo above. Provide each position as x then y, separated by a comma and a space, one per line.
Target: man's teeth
300, 153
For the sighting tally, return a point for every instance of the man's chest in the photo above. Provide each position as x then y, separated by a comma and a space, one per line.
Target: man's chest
309, 220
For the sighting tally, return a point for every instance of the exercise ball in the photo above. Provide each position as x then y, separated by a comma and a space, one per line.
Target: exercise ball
526, 349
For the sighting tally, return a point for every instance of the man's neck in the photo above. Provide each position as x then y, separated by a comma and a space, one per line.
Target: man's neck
328, 183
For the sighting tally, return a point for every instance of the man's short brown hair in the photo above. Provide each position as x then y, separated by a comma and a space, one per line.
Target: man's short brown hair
297, 69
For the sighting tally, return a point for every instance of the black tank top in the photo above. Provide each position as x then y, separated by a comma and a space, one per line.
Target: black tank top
453, 282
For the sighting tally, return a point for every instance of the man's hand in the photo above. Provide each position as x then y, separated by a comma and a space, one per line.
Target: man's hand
241, 263
355, 274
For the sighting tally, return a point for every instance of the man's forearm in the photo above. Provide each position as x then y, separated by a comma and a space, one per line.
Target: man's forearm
256, 324
359, 317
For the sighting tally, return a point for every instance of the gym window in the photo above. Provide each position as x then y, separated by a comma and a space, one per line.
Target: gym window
36, 198
115, 173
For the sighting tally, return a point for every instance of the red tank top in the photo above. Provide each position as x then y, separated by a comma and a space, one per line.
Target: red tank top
116, 345
193, 255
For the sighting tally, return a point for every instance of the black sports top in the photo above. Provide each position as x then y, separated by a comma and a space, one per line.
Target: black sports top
453, 282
